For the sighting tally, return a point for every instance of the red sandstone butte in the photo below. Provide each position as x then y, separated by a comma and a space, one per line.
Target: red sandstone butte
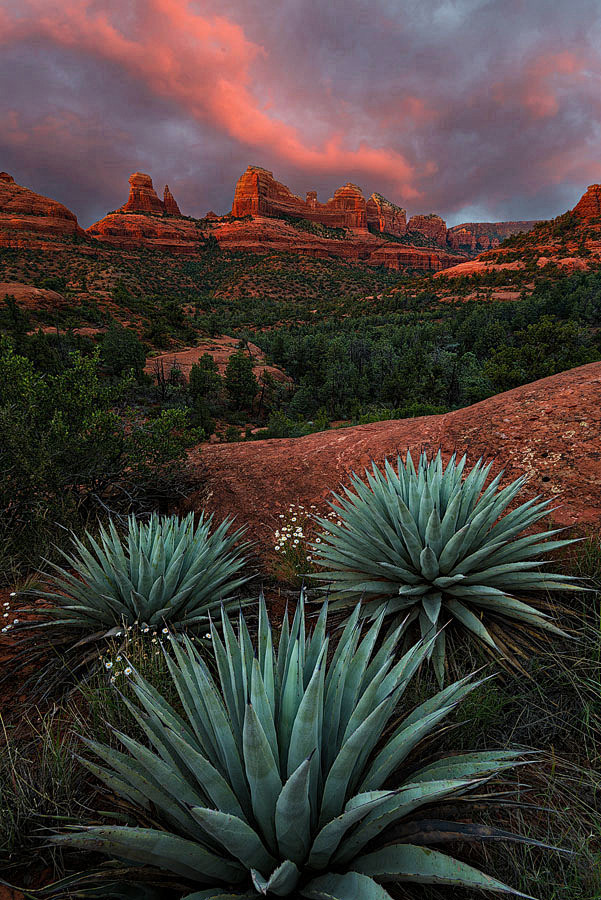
550, 430
142, 196
147, 221
589, 205
169, 203
259, 194
28, 219
431, 226
385, 217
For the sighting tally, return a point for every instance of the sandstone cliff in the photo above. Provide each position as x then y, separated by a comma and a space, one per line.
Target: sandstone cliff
481, 236
550, 430
28, 219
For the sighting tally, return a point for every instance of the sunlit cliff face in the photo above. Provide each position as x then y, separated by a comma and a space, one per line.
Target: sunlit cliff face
472, 109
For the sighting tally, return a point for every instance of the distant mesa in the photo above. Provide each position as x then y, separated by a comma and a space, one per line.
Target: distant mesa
259, 194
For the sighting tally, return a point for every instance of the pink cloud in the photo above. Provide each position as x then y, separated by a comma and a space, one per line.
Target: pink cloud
203, 64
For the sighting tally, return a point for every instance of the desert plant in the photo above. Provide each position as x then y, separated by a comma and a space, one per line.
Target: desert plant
272, 779
428, 545
167, 571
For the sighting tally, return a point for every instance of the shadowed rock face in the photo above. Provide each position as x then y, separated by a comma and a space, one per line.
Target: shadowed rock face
550, 430
431, 226
28, 219
169, 203
143, 198
385, 217
589, 205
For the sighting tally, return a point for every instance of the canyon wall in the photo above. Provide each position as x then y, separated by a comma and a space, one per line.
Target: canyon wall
28, 219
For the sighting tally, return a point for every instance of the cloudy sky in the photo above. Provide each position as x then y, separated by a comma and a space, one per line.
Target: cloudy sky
475, 109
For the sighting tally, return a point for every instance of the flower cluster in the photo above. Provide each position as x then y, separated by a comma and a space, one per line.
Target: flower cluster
294, 558
6, 614
137, 643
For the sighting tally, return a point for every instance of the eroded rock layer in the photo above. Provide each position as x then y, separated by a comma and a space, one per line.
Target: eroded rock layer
479, 236
28, 219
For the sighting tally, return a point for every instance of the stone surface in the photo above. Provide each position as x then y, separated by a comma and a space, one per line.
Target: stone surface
470, 236
28, 219
385, 217
589, 205
220, 348
142, 196
169, 204
263, 234
549, 430
431, 226
135, 230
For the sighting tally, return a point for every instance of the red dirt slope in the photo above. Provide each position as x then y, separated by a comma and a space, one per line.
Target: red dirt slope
550, 429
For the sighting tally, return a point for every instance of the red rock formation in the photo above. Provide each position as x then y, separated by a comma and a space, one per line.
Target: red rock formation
135, 230
169, 204
589, 205
259, 194
477, 236
431, 226
28, 219
385, 217
263, 234
142, 196
550, 430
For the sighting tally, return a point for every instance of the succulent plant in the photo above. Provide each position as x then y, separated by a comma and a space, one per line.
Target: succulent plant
167, 570
272, 779
427, 544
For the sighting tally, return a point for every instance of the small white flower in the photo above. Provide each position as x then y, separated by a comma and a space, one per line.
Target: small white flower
13, 594
112, 679
5, 615
165, 631
6, 604
282, 516
108, 665
146, 629
16, 622
308, 559
294, 518
119, 658
208, 635
127, 670
294, 543
318, 540
277, 534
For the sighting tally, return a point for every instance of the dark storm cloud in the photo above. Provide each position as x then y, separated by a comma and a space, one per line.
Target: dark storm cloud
472, 109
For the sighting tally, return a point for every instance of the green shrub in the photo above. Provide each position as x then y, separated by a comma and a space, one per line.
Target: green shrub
272, 780
168, 571
428, 545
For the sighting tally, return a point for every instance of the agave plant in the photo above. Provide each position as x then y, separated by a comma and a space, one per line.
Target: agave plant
272, 780
168, 570
428, 544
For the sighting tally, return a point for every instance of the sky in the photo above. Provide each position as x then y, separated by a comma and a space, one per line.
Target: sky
479, 110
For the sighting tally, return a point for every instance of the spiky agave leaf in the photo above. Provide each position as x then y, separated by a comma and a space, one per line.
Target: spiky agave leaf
426, 544
165, 570
277, 778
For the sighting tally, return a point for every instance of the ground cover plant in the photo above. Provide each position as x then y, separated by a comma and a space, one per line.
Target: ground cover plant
168, 570
272, 778
425, 544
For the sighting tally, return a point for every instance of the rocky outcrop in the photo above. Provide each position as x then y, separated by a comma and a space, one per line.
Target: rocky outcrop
550, 430
28, 219
385, 217
589, 205
143, 198
263, 234
479, 236
169, 203
431, 226
259, 194
130, 231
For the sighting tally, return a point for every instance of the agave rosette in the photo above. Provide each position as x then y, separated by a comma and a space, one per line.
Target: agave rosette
427, 544
166, 570
273, 779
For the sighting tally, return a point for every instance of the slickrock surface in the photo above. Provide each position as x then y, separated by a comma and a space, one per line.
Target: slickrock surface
135, 230
550, 430
28, 219
31, 297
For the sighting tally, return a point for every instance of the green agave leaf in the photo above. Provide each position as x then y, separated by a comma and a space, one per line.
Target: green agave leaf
293, 815
405, 862
351, 886
236, 836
